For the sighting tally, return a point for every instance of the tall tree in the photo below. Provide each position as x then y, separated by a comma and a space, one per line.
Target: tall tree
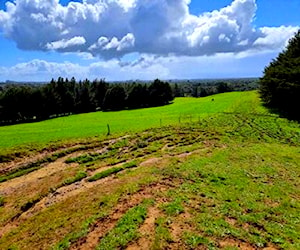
160, 93
114, 98
280, 84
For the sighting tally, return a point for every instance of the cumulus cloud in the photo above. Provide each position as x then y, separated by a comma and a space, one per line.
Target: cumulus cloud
274, 38
147, 67
41, 70
64, 43
113, 28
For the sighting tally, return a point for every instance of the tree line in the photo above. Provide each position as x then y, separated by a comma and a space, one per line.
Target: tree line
34, 102
280, 84
27, 102
203, 88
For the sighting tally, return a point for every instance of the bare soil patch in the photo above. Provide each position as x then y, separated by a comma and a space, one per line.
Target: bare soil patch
103, 226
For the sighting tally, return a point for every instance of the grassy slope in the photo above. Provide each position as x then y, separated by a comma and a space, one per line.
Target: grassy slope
38, 135
239, 189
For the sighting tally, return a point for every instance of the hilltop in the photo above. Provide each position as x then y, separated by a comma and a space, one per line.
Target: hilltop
196, 174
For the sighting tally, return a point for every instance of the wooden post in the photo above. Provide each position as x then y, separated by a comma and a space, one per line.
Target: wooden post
108, 130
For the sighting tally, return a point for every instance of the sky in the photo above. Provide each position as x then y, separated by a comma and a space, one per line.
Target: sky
142, 39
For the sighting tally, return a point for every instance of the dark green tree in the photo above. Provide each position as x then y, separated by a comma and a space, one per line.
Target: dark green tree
114, 98
98, 90
223, 87
280, 84
160, 93
138, 96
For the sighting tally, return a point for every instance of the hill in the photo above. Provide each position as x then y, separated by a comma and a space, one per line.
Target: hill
223, 176
48, 133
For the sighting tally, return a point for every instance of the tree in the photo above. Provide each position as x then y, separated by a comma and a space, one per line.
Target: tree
223, 87
114, 98
160, 93
137, 96
98, 90
280, 84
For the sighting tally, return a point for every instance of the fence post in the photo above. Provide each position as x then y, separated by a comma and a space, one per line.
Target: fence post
108, 130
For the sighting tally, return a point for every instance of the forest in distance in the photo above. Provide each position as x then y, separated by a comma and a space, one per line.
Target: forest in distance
30, 102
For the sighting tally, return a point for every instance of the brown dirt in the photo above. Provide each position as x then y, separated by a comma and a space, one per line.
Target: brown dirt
102, 227
231, 221
146, 231
99, 229
61, 194
21, 162
236, 243
19, 182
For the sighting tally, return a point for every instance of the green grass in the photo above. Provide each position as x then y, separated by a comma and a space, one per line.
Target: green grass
112, 170
78, 177
162, 236
24, 137
30, 167
240, 185
126, 228
248, 184
174, 208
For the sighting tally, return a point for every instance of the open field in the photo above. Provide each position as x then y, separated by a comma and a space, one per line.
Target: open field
227, 177
38, 135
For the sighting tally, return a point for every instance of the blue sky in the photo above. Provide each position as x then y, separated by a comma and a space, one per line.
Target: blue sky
142, 39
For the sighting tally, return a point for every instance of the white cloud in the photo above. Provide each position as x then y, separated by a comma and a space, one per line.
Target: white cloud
113, 28
275, 38
147, 67
104, 44
64, 43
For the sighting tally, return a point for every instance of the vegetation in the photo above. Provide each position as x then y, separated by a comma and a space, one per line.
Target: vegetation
126, 228
31, 103
203, 88
78, 177
226, 180
111, 171
25, 138
280, 85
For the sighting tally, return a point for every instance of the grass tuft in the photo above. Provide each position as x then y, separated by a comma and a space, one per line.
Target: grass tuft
112, 170
79, 176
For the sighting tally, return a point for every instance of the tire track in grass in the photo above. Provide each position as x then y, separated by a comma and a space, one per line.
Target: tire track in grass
52, 198
69, 190
54, 193
103, 226
25, 166
146, 231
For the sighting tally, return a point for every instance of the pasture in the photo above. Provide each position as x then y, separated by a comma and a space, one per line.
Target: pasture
223, 176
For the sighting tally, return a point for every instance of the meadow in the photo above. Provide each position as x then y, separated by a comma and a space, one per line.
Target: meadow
220, 174
71, 128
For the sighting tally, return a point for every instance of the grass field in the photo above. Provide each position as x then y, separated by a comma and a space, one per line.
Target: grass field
227, 178
70, 128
